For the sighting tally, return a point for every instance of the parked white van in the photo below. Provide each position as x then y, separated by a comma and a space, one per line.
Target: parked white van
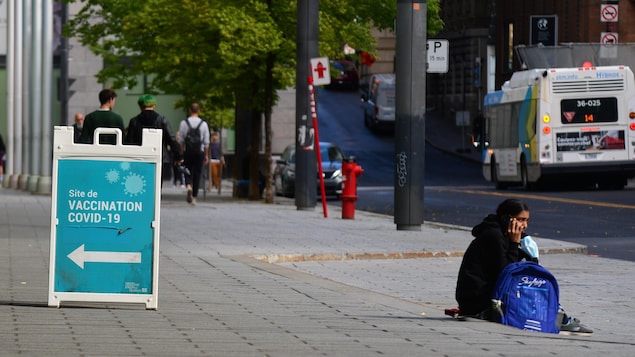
379, 101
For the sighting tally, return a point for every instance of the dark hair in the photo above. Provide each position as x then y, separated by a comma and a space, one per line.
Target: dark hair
194, 108
106, 95
511, 206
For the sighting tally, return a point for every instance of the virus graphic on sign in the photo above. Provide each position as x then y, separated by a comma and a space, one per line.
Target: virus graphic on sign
125, 166
112, 176
134, 185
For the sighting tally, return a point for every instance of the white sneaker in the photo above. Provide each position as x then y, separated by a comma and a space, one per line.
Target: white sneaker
574, 327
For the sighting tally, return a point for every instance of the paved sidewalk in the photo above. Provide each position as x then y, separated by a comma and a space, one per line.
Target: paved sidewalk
219, 295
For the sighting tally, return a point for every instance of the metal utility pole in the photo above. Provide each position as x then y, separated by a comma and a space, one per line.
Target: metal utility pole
64, 80
44, 181
410, 114
305, 162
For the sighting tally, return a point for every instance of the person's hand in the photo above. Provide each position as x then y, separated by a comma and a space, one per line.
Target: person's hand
515, 230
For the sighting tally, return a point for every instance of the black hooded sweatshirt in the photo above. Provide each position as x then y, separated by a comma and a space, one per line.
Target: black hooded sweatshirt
151, 119
484, 259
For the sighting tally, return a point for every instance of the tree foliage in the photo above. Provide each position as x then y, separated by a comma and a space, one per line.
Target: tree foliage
212, 50
223, 54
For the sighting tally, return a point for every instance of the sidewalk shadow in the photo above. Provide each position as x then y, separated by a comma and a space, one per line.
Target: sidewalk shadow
23, 303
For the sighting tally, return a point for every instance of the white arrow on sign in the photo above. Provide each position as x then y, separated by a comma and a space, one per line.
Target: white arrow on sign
79, 256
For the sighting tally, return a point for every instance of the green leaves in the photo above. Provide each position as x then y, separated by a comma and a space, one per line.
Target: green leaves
212, 50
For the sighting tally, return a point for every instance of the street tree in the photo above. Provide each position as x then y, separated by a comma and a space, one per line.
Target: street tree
225, 55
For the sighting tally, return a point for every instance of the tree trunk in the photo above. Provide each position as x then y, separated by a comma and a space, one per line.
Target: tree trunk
268, 135
254, 156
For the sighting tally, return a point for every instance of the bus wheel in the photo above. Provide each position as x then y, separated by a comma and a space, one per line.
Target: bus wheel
499, 185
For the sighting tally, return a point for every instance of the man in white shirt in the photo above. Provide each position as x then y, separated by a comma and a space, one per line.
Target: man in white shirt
195, 150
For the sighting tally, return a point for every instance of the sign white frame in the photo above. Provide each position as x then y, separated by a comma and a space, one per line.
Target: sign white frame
606, 10
150, 152
437, 56
322, 64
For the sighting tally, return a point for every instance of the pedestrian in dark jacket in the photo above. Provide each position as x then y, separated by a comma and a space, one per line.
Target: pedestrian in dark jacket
78, 127
104, 117
149, 118
496, 244
3, 150
499, 240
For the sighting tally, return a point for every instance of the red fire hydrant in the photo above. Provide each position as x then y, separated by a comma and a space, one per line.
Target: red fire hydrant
350, 170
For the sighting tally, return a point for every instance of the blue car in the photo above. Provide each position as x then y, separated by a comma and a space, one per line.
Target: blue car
332, 157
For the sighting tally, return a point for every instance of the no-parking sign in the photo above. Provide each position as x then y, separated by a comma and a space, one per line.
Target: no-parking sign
609, 12
608, 38
105, 219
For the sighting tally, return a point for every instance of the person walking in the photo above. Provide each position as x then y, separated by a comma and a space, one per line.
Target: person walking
3, 151
217, 160
77, 127
104, 117
149, 118
178, 169
194, 141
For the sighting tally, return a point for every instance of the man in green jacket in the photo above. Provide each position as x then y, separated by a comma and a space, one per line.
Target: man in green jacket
103, 117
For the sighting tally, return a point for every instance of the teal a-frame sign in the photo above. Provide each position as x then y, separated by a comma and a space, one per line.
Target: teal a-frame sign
105, 220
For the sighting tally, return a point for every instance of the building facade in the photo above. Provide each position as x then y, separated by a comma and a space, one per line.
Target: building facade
484, 36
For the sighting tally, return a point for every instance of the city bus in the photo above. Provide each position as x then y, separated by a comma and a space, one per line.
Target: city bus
574, 125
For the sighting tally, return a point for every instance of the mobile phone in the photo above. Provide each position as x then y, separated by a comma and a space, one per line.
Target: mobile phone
507, 220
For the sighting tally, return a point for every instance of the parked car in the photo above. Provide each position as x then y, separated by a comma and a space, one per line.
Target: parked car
379, 101
284, 171
343, 75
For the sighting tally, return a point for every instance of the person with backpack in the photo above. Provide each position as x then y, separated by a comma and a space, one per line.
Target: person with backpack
499, 240
194, 143
149, 118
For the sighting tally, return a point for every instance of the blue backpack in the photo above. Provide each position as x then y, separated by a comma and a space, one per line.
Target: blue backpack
526, 296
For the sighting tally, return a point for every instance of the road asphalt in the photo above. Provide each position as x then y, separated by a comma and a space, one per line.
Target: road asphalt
245, 278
